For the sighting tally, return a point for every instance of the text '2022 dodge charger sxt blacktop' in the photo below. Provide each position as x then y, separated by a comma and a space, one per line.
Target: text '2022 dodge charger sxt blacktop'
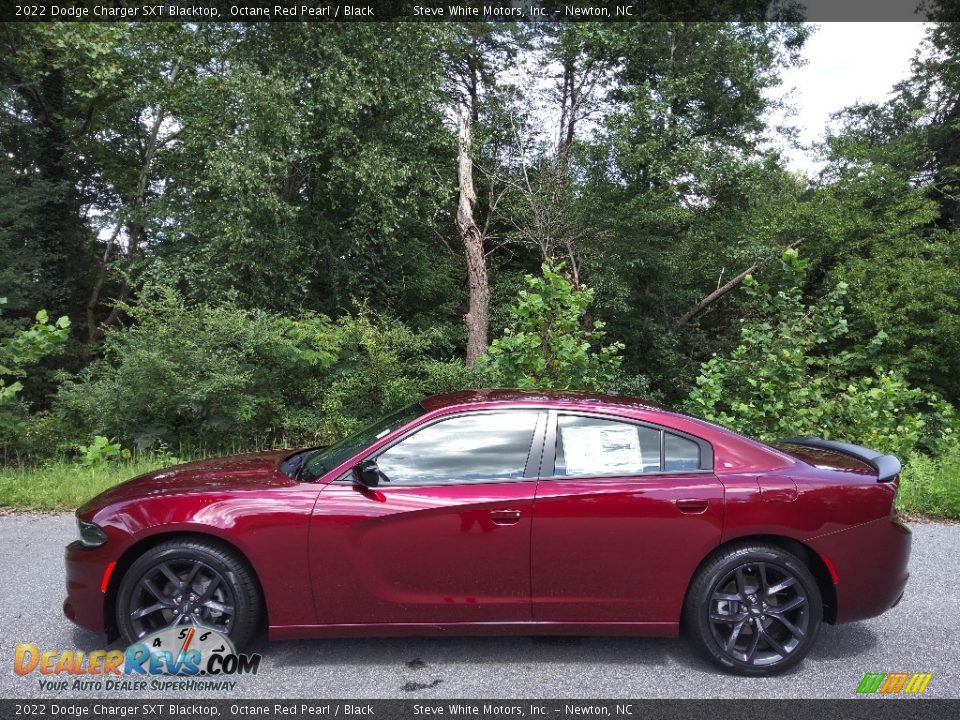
506, 512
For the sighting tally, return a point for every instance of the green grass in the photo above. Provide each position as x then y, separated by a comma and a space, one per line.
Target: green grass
931, 486
65, 485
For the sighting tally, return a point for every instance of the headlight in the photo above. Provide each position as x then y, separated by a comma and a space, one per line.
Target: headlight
91, 534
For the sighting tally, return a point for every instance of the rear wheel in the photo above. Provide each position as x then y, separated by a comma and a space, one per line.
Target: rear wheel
188, 581
754, 609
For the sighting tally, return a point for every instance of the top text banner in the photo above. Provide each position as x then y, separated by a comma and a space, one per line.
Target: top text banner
504, 10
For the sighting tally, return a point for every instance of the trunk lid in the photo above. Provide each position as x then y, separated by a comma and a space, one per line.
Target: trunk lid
845, 457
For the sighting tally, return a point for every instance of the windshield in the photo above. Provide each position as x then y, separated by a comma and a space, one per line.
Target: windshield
328, 458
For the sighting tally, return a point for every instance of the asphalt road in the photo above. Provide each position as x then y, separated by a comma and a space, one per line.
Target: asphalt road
921, 634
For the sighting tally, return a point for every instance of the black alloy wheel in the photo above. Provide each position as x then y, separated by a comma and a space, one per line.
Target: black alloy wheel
755, 610
184, 582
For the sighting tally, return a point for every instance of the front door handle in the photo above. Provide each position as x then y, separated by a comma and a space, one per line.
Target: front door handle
692, 505
505, 517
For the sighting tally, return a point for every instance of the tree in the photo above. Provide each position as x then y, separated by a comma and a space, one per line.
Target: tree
547, 346
474, 57
137, 136
888, 201
682, 191
294, 165
306, 172
546, 211
54, 83
794, 373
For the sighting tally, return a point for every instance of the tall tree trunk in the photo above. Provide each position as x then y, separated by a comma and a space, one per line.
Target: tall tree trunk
62, 235
135, 227
477, 318
568, 131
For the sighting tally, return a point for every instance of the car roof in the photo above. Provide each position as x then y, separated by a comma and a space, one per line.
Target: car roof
548, 397
732, 452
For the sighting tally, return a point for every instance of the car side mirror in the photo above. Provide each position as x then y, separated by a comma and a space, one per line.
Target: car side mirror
367, 473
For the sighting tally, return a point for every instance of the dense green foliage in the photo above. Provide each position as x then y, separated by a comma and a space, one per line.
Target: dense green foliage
17, 352
219, 376
931, 486
249, 231
794, 374
546, 345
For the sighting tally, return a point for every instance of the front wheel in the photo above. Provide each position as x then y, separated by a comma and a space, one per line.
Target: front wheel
754, 609
188, 581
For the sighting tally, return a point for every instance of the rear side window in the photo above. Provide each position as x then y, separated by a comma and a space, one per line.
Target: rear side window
590, 447
680, 453
598, 447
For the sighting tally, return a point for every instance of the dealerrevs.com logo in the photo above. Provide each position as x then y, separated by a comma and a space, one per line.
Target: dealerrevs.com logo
199, 657
894, 683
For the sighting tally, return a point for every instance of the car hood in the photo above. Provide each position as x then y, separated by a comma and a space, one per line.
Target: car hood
250, 471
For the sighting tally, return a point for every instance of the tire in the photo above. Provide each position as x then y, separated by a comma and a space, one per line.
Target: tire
227, 596
738, 624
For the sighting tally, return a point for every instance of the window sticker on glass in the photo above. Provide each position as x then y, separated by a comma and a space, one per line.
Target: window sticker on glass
601, 450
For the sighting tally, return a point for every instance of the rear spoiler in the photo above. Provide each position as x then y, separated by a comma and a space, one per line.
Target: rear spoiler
887, 466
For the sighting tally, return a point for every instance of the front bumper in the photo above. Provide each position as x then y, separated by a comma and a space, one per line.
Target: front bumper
85, 568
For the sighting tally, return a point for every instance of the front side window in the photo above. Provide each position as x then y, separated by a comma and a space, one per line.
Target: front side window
478, 447
328, 458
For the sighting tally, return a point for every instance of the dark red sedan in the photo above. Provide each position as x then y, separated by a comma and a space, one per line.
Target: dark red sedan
506, 512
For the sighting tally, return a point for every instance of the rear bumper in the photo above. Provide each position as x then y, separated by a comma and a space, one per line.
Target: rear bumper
871, 562
85, 569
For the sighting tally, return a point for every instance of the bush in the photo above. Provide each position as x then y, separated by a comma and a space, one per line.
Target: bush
101, 451
931, 486
791, 374
203, 378
383, 365
18, 352
549, 344
196, 374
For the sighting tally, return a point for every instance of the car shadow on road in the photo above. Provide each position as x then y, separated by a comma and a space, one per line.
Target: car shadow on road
534, 651
837, 642
834, 642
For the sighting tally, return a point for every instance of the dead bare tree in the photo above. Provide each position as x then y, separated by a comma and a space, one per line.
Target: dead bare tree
474, 61
477, 318
580, 79
542, 177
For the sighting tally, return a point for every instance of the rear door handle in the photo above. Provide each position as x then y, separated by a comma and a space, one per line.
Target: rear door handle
692, 505
505, 517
